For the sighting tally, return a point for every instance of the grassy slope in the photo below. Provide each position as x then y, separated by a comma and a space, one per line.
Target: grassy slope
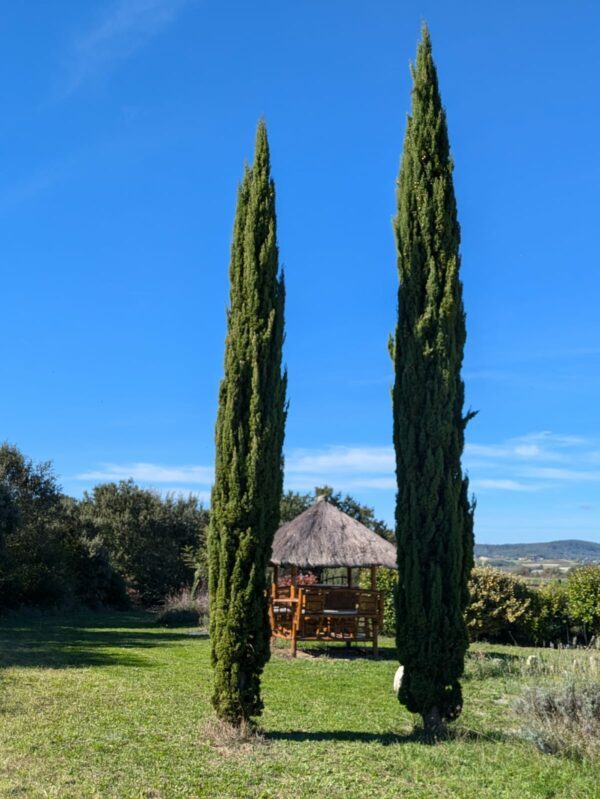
110, 706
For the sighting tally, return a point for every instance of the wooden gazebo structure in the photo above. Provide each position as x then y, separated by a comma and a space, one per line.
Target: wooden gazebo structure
325, 537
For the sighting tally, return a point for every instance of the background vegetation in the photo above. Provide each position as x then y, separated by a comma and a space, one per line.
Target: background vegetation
122, 544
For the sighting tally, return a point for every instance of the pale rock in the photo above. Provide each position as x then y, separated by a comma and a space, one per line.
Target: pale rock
532, 663
398, 678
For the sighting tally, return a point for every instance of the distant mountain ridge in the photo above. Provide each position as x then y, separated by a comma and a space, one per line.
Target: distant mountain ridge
551, 550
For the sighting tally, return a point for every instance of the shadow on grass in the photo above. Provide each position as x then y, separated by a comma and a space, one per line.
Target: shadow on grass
58, 641
386, 738
488, 654
341, 652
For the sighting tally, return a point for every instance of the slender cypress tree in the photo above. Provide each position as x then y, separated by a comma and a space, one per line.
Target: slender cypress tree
249, 439
434, 518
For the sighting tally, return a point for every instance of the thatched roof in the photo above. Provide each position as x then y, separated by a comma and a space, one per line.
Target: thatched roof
325, 536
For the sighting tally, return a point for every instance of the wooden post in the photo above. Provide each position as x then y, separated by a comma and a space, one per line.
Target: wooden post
375, 642
373, 578
377, 621
349, 580
275, 581
295, 611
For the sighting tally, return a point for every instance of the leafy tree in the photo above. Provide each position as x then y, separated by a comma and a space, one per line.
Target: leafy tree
145, 534
8, 523
94, 579
37, 563
583, 592
434, 526
293, 504
246, 496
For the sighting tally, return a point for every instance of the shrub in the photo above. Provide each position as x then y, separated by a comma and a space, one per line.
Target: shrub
550, 614
387, 580
184, 609
500, 607
564, 719
583, 591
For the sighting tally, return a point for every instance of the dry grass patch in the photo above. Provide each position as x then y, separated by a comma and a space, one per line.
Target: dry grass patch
231, 738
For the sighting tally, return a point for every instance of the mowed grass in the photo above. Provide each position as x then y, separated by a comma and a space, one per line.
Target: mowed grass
104, 705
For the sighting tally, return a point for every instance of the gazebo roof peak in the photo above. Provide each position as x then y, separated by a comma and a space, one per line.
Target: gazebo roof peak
325, 536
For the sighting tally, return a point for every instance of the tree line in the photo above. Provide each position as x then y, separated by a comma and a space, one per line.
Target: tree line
119, 543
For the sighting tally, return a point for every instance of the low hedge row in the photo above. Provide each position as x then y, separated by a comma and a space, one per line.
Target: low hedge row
503, 608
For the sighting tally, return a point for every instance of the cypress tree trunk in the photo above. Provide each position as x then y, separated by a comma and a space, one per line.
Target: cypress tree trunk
249, 438
434, 519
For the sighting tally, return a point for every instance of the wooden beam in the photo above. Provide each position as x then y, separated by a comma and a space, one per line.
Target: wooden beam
349, 579
296, 610
373, 578
375, 642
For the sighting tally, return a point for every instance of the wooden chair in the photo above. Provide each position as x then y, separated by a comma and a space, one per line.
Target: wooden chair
311, 607
370, 617
368, 603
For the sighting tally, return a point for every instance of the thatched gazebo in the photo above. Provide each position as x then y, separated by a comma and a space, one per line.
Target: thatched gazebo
325, 537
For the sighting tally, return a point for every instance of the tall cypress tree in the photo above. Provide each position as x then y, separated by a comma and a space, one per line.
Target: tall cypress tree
249, 439
434, 518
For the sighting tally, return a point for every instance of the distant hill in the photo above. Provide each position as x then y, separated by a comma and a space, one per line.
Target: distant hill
552, 550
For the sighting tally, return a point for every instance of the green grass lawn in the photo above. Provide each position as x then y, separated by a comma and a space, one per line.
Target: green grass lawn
112, 706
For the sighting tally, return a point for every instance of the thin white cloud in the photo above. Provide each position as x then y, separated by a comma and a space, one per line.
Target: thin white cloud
562, 475
150, 473
122, 31
557, 439
533, 462
485, 484
342, 459
307, 483
344, 468
540, 446
523, 464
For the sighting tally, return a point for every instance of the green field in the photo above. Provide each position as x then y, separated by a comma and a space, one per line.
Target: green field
112, 706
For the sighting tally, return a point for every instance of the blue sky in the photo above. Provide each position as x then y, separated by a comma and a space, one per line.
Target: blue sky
124, 131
